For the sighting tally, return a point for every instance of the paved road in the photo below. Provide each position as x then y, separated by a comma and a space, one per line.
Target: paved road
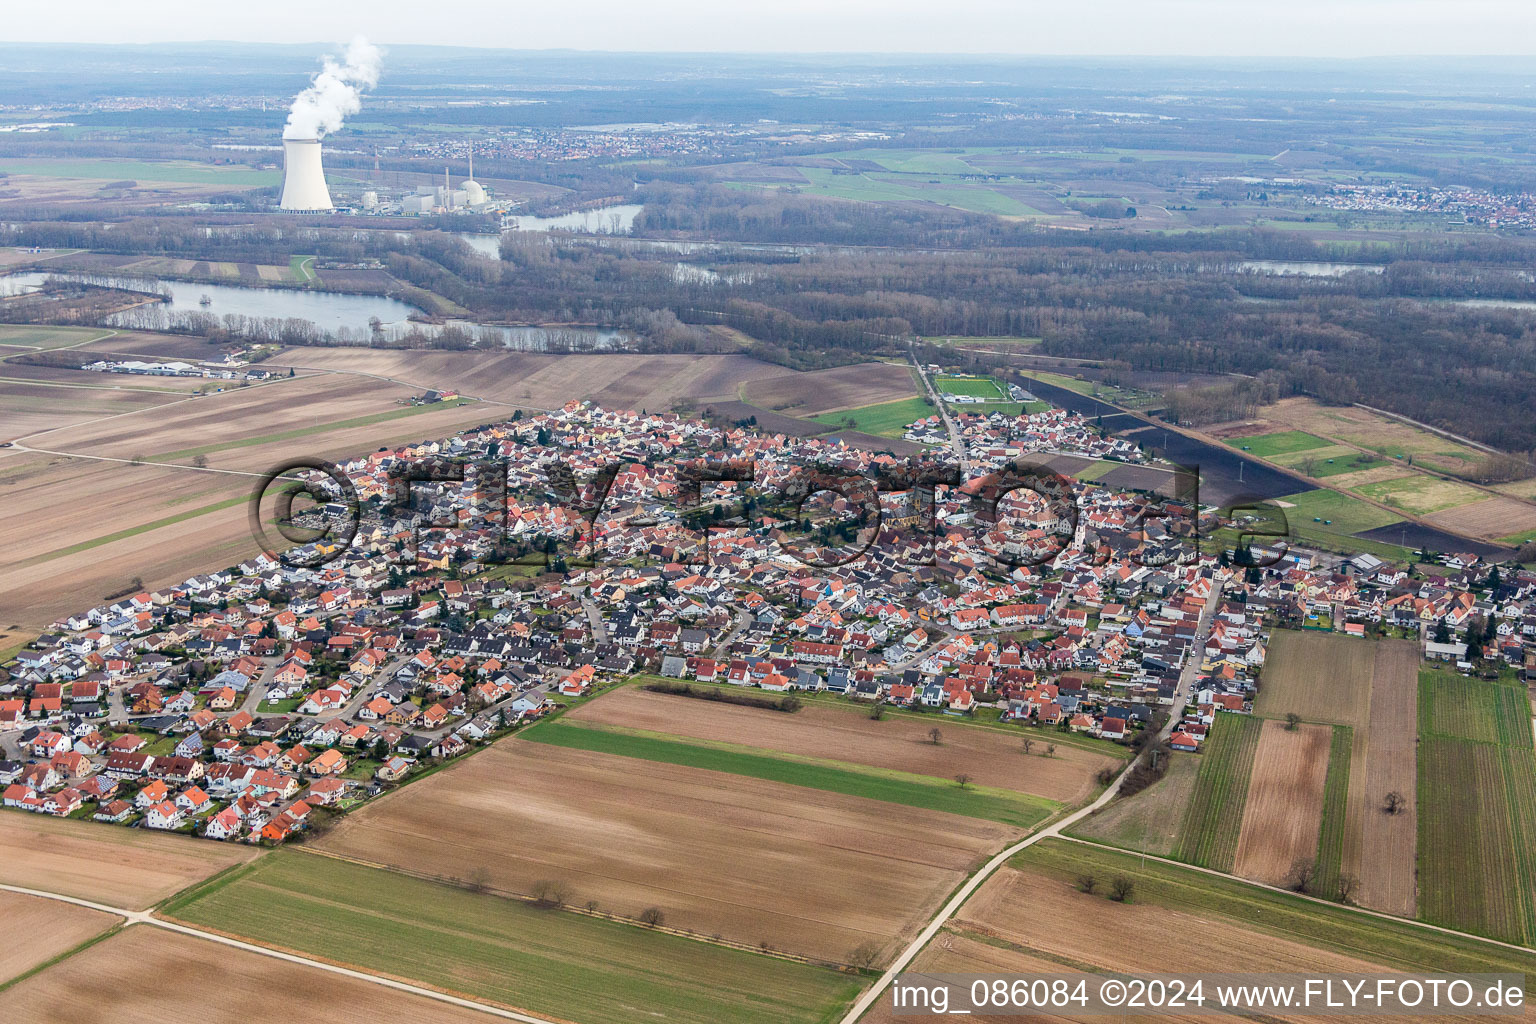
146, 917
1191, 670
955, 440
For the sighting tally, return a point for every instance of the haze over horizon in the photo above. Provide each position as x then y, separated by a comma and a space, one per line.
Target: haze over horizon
1100, 28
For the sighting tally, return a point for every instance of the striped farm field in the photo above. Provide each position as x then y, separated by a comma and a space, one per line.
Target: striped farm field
1215, 816
1477, 806
1330, 835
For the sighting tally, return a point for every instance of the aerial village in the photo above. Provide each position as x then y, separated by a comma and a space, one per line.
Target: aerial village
248, 703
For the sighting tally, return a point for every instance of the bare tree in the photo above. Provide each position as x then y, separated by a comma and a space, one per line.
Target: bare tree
551, 893
1303, 872
1292, 720
963, 779
480, 880
652, 917
1394, 803
1050, 750
1347, 887
935, 735
591, 906
864, 955
200, 460
1122, 889
1087, 882
1029, 744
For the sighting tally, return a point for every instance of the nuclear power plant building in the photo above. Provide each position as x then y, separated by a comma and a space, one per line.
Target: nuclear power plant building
303, 177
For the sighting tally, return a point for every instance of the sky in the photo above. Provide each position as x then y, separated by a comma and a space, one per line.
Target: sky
1301, 28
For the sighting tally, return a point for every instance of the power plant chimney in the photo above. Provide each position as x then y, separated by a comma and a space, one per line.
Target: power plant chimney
303, 177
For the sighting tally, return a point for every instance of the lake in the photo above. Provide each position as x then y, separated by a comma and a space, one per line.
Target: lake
609, 220
331, 311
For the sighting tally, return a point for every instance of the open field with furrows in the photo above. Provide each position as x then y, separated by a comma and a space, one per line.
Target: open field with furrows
1213, 823
1032, 918
1285, 801
147, 975
1149, 820
989, 756
24, 188
904, 788
1477, 806
244, 428
842, 387
562, 964
887, 419
66, 554
539, 381
1490, 517
1330, 832
1358, 427
1180, 921
41, 929
1323, 677
28, 408
130, 868
750, 860
1379, 848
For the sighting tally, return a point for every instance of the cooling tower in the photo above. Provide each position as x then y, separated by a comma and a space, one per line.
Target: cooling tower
303, 177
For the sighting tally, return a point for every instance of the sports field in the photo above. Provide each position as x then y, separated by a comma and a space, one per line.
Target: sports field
566, 965
1477, 806
1214, 820
976, 387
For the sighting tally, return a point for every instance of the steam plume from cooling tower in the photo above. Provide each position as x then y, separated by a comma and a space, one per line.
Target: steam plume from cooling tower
335, 92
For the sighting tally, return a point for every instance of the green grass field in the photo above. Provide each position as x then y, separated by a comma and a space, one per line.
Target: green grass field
979, 387
37, 337
1421, 493
1476, 806
1349, 515
1396, 944
909, 790
175, 171
893, 188
1330, 835
1333, 460
1282, 443
1215, 816
565, 965
887, 419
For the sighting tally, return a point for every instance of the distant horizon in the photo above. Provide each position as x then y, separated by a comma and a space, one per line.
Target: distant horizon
1169, 29
322, 45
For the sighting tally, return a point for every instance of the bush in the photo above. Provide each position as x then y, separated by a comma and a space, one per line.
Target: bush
787, 703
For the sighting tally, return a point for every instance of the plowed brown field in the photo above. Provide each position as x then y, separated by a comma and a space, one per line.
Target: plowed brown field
1285, 801
990, 757
753, 861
